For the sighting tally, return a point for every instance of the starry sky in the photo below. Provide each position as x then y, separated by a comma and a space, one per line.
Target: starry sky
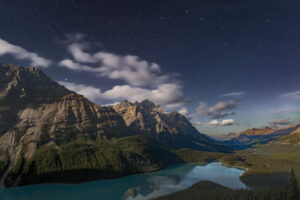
228, 65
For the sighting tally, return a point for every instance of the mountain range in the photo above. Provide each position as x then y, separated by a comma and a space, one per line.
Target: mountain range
51, 134
254, 136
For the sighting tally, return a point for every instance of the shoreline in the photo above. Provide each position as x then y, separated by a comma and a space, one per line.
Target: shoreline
164, 168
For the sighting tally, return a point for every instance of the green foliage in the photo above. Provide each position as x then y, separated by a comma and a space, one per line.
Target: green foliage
44, 137
201, 157
4, 163
293, 187
266, 159
211, 191
65, 135
19, 133
79, 161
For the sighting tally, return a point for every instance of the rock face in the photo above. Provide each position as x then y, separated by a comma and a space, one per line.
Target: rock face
171, 128
35, 110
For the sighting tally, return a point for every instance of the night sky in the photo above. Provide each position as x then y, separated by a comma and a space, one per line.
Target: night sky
228, 65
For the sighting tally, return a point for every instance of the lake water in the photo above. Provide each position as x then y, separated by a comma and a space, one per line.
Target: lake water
135, 187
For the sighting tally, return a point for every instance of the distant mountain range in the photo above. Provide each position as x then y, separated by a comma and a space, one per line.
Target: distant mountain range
254, 136
51, 134
291, 139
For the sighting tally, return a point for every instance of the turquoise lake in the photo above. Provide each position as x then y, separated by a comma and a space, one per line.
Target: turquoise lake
135, 187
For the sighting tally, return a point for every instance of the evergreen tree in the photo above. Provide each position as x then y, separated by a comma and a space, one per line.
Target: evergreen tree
293, 188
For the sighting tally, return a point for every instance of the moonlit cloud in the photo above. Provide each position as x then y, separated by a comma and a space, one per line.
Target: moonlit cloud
183, 111
89, 92
129, 68
213, 123
20, 53
163, 95
225, 122
233, 94
282, 122
291, 94
143, 79
216, 111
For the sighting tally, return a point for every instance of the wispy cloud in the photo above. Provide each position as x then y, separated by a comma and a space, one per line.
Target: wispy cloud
22, 54
225, 122
144, 80
183, 111
129, 68
291, 94
282, 122
216, 111
166, 94
233, 94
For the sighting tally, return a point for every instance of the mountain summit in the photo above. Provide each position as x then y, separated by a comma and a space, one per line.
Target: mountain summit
172, 128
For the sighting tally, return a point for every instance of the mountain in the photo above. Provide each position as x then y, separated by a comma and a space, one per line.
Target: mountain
172, 128
51, 134
258, 131
251, 137
35, 110
290, 139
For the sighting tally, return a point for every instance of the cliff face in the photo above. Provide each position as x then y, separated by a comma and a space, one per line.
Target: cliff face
171, 128
35, 110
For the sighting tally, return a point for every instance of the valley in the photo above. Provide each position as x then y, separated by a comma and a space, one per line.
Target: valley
53, 135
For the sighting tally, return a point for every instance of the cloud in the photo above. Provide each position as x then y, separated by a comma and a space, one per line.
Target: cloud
282, 122
129, 68
225, 122
284, 111
183, 111
223, 105
291, 94
196, 122
89, 92
22, 54
163, 95
213, 123
143, 79
233, 94
220, 115
215, 111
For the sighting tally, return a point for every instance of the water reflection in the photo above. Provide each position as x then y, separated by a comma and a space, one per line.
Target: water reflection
163, 185
136, 187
